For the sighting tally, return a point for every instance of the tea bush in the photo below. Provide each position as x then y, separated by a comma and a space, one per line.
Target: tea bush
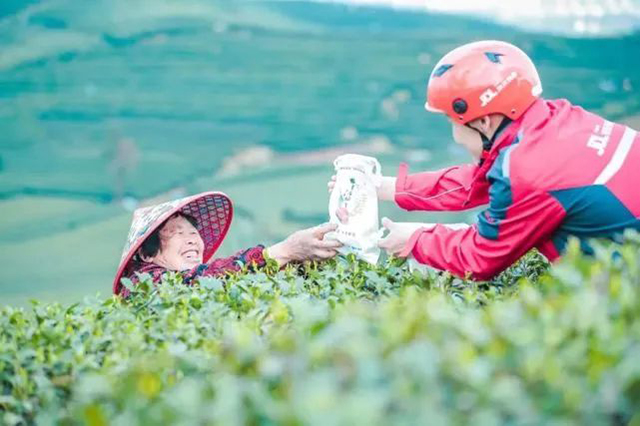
339, 343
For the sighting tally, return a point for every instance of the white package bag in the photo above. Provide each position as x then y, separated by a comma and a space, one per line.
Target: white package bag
353, 206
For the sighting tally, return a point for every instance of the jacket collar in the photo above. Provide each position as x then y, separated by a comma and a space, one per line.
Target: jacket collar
509, 134
506, 137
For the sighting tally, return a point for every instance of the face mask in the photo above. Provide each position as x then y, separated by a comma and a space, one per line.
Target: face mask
353, 206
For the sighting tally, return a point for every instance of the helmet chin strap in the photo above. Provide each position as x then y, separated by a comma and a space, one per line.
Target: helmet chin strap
487, 143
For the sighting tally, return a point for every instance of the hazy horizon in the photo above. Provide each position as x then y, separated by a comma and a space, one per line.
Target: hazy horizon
567, 17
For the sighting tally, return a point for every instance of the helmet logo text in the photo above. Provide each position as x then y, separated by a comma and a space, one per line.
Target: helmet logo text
489, 94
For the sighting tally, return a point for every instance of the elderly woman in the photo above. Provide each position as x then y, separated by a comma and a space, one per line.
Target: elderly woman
183, 235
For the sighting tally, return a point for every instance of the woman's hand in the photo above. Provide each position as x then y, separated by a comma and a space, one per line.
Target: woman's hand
386, 191
308, 244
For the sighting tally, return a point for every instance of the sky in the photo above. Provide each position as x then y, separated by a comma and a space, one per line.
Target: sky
573, 17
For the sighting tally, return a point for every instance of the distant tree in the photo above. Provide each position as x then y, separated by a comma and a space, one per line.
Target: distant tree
123, 162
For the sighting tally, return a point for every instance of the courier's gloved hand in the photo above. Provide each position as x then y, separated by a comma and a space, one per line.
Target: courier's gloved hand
399, 234
386, 191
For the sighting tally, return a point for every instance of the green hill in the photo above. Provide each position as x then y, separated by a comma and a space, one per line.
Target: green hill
139, 98
199, 80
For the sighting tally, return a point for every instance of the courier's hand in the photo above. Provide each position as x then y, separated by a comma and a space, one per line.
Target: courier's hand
308, 244
399, 234
331, 184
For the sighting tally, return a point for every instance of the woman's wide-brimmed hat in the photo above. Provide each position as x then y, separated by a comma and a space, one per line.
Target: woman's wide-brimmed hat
212, 210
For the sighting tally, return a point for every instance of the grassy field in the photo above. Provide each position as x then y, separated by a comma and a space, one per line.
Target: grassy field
21, 212
28, 217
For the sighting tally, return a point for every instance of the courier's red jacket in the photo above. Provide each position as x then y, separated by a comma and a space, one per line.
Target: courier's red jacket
557, 171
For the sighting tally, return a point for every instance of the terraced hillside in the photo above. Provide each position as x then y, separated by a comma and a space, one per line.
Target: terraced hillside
111, 98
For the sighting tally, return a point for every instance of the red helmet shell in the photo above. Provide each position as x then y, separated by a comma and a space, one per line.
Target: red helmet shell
482, 78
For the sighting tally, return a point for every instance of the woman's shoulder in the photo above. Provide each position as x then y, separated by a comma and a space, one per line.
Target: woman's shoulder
152, 269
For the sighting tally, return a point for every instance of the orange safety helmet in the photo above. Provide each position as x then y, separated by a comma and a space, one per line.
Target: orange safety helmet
482, 78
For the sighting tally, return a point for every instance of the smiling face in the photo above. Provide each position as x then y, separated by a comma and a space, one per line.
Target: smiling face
181, 246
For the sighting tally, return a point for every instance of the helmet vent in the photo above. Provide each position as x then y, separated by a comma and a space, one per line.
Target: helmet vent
442, 69
494, 57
